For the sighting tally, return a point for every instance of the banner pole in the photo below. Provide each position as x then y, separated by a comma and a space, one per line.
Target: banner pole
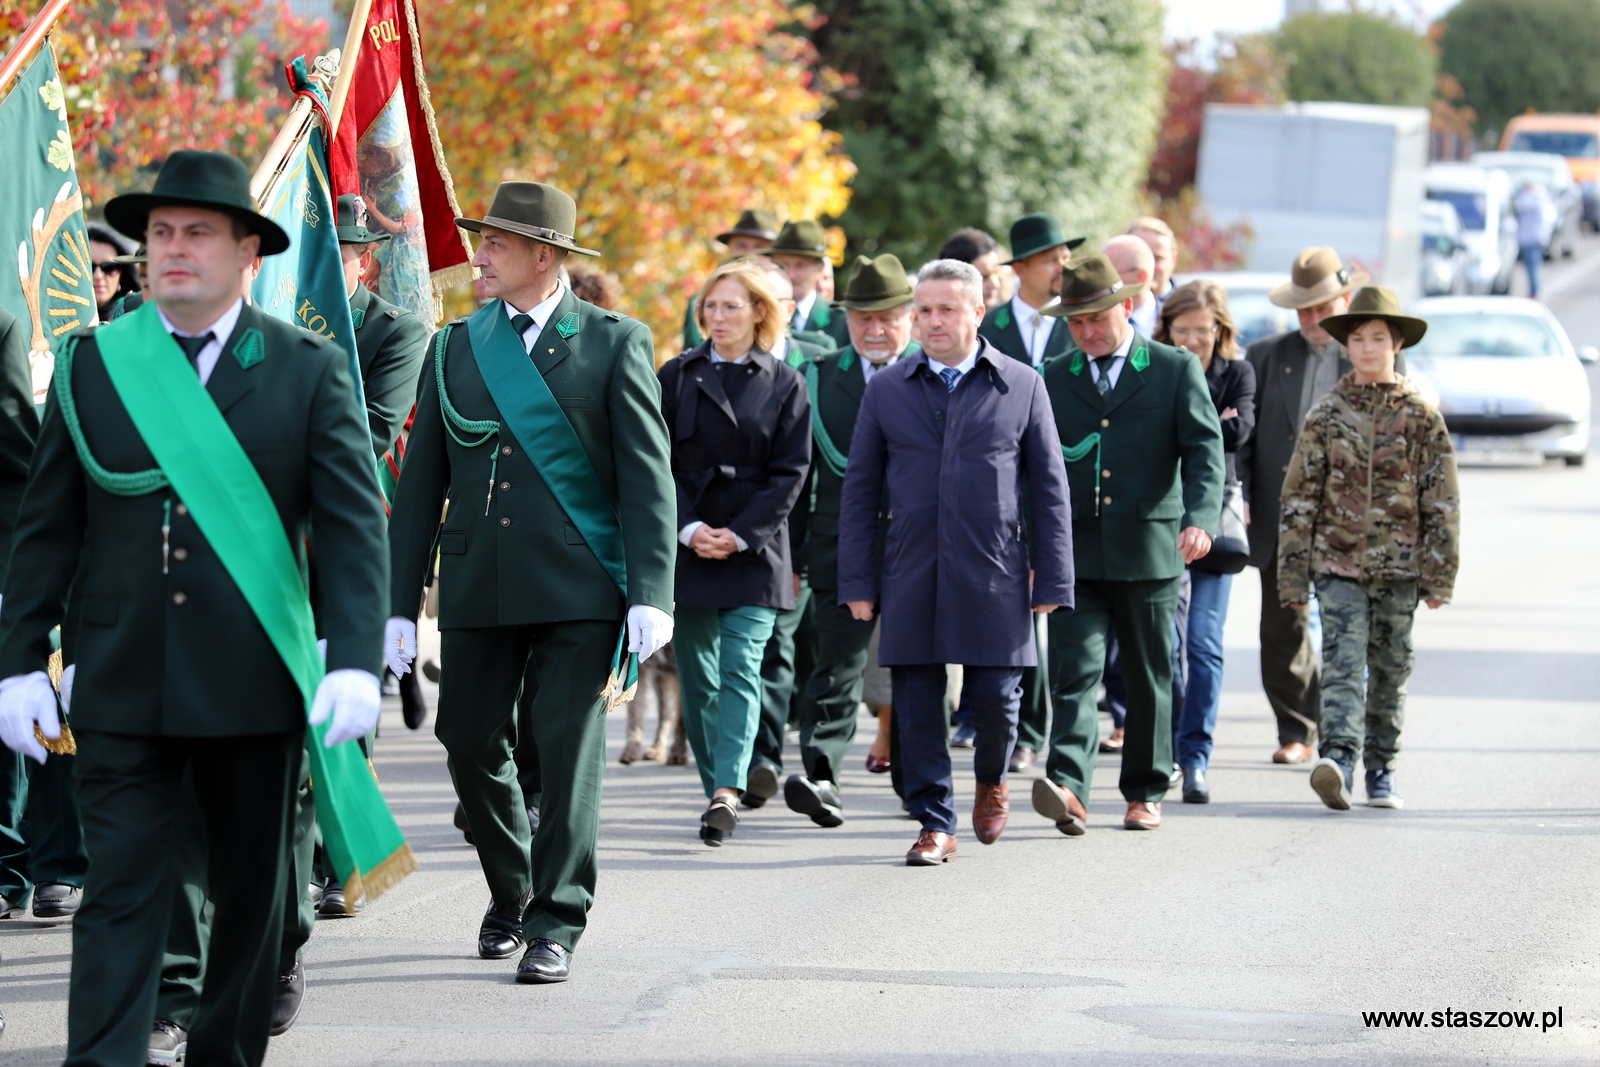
347, 65
294, 128
30, 40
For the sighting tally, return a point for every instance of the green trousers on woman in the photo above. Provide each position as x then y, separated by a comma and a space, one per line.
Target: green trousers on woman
719, 673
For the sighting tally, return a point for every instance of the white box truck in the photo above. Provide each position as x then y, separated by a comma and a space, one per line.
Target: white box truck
1346, 175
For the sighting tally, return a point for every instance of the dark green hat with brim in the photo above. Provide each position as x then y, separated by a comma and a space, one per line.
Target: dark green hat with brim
803, 238
753, 222
533, 210
190, 178
1039, 232
141, 256
1375, 302
1090, 285
351, 213
876, 285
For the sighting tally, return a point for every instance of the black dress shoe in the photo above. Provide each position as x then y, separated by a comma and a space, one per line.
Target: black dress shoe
819, 800
461, 822
413, 705
761, 785
1022, 758
1195, 790
430, 671
56, 901
291, 994
332, 903
544, 962
500, 936
11, 910
169, 1043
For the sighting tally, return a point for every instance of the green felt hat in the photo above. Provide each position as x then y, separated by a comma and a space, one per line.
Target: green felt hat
1089, 285
351, 222
191, 178
141, 256
1376, 302
535, 210
803, 238
753, 222
876, 285
1032, 234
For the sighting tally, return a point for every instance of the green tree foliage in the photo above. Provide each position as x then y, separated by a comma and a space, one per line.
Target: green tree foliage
1356, 56
972, 112
1510, 55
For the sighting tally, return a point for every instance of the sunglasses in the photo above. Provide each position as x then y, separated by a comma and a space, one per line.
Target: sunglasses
110, 266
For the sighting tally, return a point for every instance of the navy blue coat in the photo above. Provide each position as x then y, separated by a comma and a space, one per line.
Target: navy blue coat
954, 587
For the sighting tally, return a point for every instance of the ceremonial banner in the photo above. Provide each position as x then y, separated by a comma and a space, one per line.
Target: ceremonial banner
51, 290
387, 149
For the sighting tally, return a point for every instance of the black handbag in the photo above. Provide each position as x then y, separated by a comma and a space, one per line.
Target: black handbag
1230, 549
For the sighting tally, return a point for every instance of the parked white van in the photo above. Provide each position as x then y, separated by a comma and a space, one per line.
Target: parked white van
1482, 199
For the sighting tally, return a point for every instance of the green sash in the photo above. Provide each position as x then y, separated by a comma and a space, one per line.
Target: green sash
208, 469
535, 419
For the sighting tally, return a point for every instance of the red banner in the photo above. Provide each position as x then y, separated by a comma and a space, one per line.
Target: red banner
388, 151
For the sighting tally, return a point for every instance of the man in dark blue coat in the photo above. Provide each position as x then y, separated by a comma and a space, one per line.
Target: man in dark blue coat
955, 432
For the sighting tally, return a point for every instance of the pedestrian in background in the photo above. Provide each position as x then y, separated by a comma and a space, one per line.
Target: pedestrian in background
978, 247
1535, 221
1371, 517
112, 276
741, 446
1195, 316
1163, 247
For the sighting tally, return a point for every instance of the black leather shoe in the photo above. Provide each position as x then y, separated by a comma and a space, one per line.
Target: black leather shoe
1195, 790
413, 705
332, 903
761, 785
169, 1043
819, 800
291, 994
500, 936
56, 901
12, 910
461, 822
544, 962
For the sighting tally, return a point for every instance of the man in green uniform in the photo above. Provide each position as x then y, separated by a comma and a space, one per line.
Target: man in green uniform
552, 405
801, 250
186, 450
752, 235
877, 305
1144, 463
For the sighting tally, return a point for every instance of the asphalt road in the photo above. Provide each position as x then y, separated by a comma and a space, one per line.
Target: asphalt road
1255, 930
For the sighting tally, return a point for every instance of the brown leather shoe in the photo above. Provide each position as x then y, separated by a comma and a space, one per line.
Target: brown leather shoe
1143, 815
1112, 743
1060, 806
989, 811
932, 848
1294, 752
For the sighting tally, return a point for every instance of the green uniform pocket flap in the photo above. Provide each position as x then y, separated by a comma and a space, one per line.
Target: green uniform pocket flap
573, 536
453, 542
575, 401
1168, 508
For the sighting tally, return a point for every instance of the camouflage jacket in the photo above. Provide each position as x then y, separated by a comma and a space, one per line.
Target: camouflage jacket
1370, 493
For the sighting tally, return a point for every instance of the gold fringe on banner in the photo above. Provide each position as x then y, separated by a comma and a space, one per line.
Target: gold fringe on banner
379, 880
66, 744
614, 694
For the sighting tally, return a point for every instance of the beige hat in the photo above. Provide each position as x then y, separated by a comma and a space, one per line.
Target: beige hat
1316, 278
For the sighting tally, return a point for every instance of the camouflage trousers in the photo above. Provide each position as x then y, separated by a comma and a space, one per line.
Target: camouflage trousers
1366, 659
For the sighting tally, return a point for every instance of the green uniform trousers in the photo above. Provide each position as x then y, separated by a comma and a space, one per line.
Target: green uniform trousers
1141, 613
15, 885
828, 711
41, 839
1366, 660
1289, 671
566, 665
1033, 720
129, 793
719, 673
789, 659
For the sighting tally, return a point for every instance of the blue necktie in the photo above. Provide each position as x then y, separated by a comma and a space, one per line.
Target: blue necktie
951, 376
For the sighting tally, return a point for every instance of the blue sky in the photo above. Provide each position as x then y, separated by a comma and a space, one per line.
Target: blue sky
1204, 18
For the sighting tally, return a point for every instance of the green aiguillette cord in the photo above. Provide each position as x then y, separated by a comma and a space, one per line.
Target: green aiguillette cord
199, 457
836, 460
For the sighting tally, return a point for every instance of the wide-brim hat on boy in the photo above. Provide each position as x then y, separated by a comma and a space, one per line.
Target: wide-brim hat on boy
1316, 278
753, 222
191, 178
351, 215
1039, 232
141, 256
876, 285
802, 238
534, 210
1376, 302
1089, 285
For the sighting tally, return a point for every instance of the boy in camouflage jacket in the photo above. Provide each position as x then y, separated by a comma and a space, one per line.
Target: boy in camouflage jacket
1371, 517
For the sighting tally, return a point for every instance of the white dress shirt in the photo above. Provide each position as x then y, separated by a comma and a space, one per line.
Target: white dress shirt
802, 310
686, 535
1144, 317
962, 369
1035, 327
1118, 360
220, 331
540, 314
869, 368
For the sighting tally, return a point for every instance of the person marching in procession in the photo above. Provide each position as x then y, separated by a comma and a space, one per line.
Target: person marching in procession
752, 235
877, 305
552, 404
1146, 495
184, 452
802, 250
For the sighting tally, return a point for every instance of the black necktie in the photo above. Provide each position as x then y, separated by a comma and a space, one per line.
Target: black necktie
192, 345
1103, 365
520, 323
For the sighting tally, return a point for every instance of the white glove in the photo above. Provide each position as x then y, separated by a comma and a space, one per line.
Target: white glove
399, 644
353, 698
26, 699
648, 630
66, 688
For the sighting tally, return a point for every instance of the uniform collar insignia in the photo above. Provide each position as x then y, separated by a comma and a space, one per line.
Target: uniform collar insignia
1079, 361
568, 324
1002, 318
357, 317
1140, 358
249, 347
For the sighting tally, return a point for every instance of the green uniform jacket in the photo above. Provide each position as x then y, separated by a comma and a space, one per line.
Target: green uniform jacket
525, 562
692, 337
999, 328
807, 349
391, 343
825, 320
19, 424
181, 654
1160, 459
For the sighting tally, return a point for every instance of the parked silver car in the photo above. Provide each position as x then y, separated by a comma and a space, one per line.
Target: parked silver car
1507, 377
1552, 172
1444, 250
